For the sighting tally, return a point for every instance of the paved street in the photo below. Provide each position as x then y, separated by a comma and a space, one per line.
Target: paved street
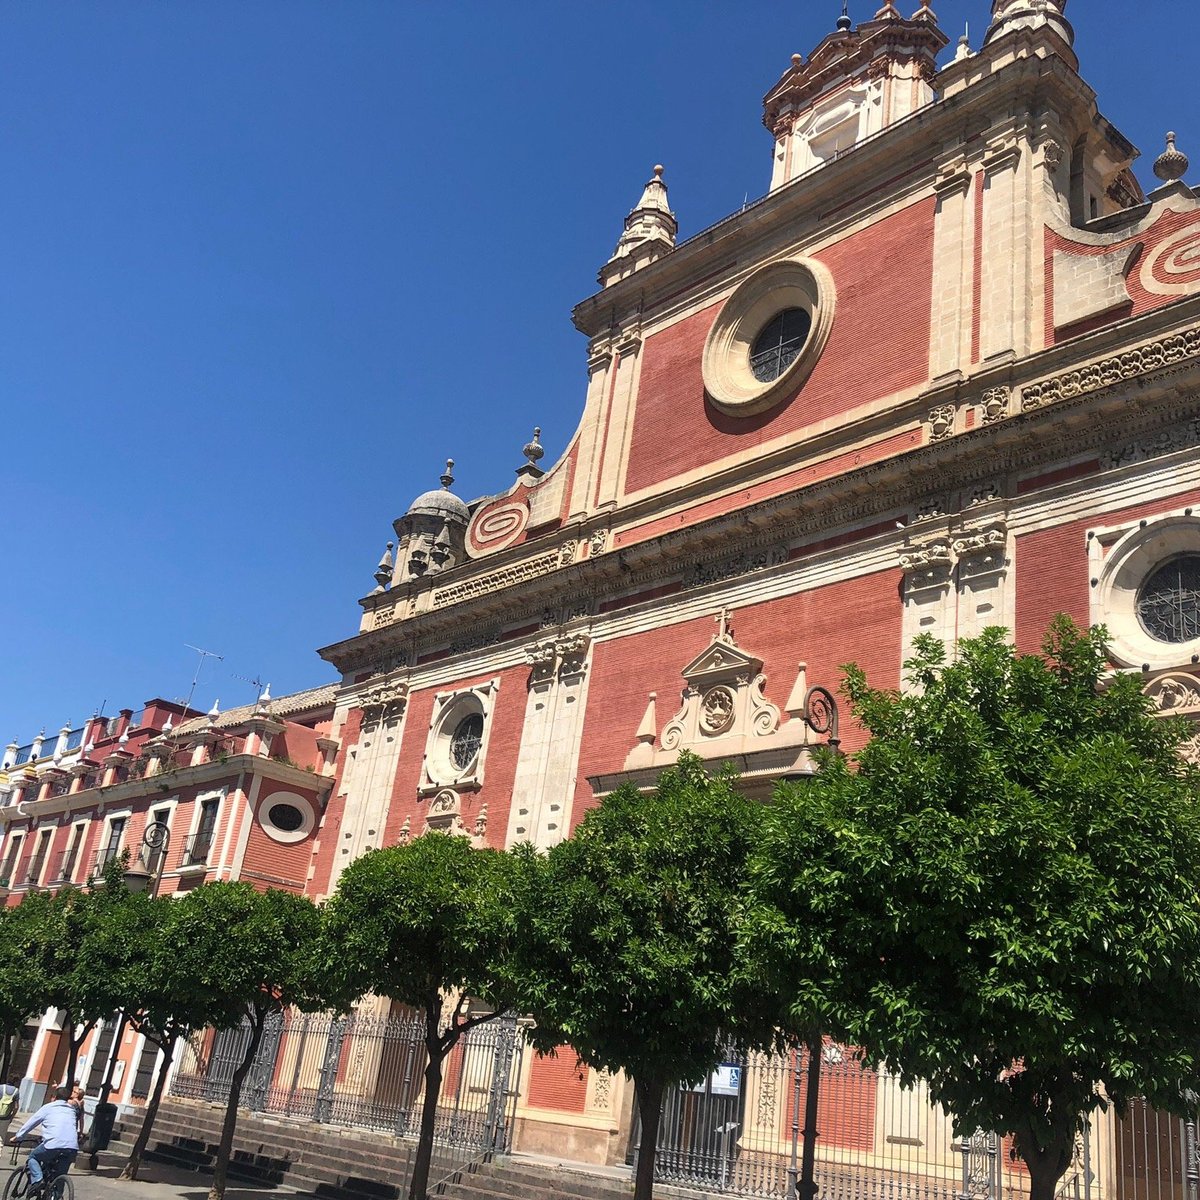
164, 1183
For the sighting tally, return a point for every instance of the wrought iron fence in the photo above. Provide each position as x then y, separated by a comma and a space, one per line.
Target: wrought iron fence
740, 1133
366, 1072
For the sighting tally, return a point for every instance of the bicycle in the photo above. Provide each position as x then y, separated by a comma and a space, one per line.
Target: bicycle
19, 1186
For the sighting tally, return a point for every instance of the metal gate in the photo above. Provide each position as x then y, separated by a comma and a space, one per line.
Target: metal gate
366, 1072
739, 1133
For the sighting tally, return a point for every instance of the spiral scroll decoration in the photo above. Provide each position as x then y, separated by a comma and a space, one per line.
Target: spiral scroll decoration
496, 528
1173, 267
821, 713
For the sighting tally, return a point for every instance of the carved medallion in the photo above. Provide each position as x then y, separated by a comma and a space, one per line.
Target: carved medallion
716, 710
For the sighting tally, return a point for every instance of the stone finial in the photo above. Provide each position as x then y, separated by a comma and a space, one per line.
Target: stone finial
215, 711
889, 12
1172, 164
383, 572
964, 45
844, 24
168, 725
533, 450
446, 477
925, 13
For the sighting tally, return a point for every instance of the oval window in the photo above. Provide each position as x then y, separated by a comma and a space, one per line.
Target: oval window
286, 817
466, 740
779, 344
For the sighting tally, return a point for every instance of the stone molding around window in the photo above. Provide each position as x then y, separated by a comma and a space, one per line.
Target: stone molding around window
280, 832
800, 283
439, 771
1122, 560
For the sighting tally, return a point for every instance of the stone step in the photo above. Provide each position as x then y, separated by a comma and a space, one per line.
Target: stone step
339, 1163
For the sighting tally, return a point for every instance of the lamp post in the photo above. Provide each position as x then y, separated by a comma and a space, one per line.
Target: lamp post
156, 840
139, 877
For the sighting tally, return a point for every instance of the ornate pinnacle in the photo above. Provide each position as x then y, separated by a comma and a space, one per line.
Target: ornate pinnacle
533, 450
844, 23
446, 478
1172, 164
383, 572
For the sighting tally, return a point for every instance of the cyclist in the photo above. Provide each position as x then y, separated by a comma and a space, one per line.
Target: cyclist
60, 1138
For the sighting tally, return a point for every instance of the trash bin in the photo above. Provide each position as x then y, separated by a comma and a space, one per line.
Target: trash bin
100, 1134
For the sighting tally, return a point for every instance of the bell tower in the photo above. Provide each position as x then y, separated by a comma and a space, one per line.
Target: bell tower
857, 82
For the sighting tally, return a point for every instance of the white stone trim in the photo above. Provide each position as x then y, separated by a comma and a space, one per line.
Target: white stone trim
802, 283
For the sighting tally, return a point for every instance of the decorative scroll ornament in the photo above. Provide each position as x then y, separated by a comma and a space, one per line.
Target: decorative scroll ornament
1172, 268
941, 422
496, 528
993, 404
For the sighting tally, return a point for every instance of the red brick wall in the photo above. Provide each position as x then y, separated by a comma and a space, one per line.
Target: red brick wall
269, 863
558, 1082
879, 345
1053, 573
855, 620
500, 766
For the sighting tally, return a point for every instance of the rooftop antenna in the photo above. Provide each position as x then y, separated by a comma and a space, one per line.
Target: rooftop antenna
256, 683
187, 704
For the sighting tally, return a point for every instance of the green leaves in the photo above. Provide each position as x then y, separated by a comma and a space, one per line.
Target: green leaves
1002, 896
420, 920
630, 952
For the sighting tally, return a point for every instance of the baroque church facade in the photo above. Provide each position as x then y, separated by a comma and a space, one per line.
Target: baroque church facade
943, 376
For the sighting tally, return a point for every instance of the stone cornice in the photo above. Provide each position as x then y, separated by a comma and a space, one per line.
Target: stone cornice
164, 782
1133, 407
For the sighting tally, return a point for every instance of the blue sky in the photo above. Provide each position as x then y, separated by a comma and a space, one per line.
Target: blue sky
265, 264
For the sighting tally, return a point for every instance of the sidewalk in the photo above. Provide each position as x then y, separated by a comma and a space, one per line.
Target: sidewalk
158, 1181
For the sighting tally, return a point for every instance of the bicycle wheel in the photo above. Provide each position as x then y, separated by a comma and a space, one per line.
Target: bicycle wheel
61, 1188
17, 1184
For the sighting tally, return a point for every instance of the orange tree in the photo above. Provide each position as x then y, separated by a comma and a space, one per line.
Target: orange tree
1016, 858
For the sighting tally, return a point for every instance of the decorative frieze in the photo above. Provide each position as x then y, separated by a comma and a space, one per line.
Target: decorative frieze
1166, 441
745, 563
496, 581
1143, 360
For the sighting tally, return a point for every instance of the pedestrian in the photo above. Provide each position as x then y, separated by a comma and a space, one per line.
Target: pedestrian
56, 1152
10, 1101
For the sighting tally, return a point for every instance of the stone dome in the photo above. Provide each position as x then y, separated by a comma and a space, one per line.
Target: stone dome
441, 502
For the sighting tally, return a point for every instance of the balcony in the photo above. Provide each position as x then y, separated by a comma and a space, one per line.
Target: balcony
33, 873
107, 855
195, 853
62, 867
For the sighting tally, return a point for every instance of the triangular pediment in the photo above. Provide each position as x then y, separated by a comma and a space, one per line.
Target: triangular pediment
721, 658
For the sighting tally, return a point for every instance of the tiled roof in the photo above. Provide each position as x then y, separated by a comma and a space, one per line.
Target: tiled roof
278, 706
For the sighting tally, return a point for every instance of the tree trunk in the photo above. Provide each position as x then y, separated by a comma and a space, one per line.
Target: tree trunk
225, 1149
649, 1098
167, 1045
73, 1047
6, 1055
419, 1187
1046, 1165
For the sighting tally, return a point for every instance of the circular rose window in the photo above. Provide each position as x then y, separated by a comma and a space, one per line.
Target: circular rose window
769, 336
1168, 603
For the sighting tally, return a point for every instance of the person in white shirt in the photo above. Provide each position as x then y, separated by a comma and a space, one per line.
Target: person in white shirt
59, 1121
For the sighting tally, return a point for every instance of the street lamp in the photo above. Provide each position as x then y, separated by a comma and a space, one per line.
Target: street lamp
156, 840
139, 877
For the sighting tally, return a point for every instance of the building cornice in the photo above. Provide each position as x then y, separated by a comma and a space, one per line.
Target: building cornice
1095, 393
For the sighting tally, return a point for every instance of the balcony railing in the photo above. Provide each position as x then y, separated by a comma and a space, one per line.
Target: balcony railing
62, 867
196, 850
33, 872
104, 858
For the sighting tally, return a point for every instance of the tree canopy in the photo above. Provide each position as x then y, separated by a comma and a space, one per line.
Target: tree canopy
630, 955
427, 924
1017, 851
